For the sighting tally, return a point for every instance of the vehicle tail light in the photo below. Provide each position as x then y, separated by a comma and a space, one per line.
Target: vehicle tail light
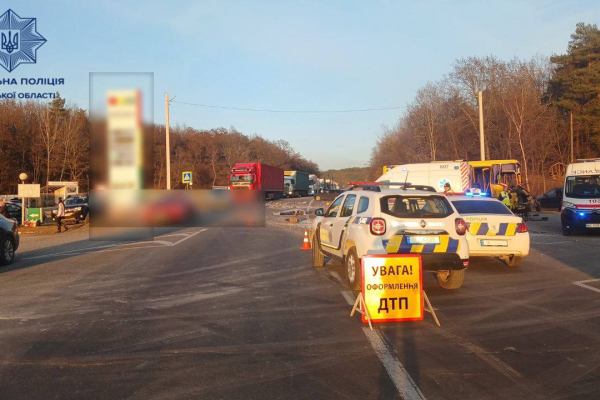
461, 226
465, 263
522, 227
377, 226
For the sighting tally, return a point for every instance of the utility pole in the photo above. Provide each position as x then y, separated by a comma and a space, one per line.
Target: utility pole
168, 144
481, 133
572, 150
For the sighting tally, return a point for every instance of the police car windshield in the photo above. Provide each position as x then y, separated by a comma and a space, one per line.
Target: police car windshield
583, 187
480, 207
415, 206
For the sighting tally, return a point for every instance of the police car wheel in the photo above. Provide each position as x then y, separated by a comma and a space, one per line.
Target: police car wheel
453, 280
353, 270
317, 257
513, 261
566, 231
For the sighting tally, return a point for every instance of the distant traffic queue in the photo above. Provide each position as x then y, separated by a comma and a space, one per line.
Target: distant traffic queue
276, 182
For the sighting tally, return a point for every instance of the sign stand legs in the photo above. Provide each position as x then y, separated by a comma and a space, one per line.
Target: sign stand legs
359, 305
429, 309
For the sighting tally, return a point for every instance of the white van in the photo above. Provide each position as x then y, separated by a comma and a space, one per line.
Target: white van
434, 174
580, 209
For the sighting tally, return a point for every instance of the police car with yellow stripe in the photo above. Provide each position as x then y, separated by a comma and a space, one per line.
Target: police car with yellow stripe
493, 230
379, 219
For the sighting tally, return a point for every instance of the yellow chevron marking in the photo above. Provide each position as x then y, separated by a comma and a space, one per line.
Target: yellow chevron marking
511, 230
474, 228
394, 244
443, 246
417, 248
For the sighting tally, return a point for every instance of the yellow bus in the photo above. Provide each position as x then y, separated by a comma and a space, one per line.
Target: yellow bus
490, 175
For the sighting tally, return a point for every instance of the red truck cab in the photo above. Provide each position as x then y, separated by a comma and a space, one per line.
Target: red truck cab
256, 176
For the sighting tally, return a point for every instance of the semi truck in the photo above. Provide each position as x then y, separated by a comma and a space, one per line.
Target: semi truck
257, 176
296, 184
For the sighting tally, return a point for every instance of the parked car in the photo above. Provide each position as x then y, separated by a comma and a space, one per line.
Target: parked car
15, 211
551, 199
392, 221
328, 194
9, 239
76, 207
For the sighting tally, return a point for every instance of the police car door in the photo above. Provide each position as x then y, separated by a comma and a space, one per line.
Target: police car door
326, 227
340, 225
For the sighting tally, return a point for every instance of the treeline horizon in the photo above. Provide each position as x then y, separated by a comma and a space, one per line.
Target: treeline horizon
51, 142
527, 106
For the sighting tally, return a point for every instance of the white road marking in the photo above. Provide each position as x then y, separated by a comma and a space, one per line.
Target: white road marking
407, 388
349, 298
177, 234
187, 237
564, 241
405, 385
583, 284
121, 246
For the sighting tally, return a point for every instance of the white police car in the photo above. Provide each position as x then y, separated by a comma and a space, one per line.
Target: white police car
372, 219
493, 230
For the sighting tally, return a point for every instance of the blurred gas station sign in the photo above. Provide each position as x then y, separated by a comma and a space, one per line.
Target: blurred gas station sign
125, 140
29, 190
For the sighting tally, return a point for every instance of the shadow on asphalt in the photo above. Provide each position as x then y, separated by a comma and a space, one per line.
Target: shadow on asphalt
19, 262
44, 255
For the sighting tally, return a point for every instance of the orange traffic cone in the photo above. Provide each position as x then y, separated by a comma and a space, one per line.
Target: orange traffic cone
305, 243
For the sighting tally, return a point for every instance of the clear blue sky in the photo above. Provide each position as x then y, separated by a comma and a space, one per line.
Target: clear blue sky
296, 55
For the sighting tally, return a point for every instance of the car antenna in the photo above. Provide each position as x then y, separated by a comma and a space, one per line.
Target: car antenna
405, 181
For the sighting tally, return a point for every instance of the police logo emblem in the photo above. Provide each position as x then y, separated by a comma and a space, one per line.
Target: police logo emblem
19, 40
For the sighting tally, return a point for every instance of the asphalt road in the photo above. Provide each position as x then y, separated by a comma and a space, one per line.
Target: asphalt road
240, 313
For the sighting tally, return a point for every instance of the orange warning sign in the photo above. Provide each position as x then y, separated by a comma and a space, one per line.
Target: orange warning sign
392, 287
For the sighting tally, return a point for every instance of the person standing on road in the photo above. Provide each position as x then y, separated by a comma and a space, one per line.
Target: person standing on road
504, 197
60, 214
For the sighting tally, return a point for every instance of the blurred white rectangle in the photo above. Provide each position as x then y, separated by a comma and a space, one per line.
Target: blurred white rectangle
124, 133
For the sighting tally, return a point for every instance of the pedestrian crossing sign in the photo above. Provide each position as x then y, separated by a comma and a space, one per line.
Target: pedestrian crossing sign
186, 177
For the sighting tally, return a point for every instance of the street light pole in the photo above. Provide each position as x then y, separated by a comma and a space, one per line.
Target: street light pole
23, 177
481, 133
168, 145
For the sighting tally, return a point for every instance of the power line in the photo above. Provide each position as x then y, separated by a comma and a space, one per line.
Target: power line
290, 111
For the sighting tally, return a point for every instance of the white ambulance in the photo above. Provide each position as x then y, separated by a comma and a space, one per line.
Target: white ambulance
434, 174
580, 208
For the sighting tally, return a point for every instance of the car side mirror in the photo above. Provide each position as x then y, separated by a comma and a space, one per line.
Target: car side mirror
319, 212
